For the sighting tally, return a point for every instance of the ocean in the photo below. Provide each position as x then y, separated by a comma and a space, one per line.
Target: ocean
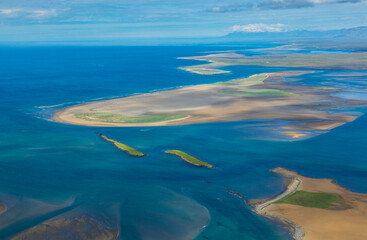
49, 168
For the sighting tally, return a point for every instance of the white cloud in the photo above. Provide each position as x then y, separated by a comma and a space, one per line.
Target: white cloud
218, 9
8, 12
42, 13
333, 1
259, 27
28, 13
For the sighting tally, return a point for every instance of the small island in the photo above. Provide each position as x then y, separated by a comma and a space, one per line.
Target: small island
123, 147
315, 209
189, 158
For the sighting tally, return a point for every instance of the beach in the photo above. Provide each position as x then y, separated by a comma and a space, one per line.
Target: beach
345, 220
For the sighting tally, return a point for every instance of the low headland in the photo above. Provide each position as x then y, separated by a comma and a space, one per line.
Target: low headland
315, 209
123, 147
189, 158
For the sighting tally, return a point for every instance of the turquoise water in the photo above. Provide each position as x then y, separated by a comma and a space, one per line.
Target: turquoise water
49, 168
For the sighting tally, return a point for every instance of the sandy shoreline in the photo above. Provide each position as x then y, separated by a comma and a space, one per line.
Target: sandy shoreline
58, 117
344, 221
260, 208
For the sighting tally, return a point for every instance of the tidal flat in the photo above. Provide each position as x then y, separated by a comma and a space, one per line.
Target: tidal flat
267, 96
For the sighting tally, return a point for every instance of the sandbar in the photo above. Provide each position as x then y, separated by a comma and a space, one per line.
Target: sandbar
260, 98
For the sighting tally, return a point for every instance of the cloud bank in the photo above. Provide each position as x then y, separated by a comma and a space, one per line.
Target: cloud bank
276, 4
28, 13
231, 8
259, 27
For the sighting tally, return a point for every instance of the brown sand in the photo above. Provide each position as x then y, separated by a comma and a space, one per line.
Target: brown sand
203, 103
315, 125
346, 222
294, 134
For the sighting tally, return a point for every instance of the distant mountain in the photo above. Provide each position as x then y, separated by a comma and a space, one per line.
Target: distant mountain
358, 33
352, 34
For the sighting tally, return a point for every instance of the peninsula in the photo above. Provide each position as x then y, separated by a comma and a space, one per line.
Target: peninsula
316, 209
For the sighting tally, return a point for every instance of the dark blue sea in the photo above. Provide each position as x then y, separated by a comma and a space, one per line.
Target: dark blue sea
49, 168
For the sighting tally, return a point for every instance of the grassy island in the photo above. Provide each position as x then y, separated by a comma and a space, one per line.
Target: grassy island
189, 158
311, 199
123, 147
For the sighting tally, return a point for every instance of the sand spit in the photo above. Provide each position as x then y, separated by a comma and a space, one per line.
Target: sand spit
346, 220
270, 99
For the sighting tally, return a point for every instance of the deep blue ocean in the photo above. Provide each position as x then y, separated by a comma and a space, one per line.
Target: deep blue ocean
49, 168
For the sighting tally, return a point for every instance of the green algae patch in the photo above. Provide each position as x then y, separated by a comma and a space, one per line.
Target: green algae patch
119, 118
123, 147
257, 92
250, 81
311, 199
189, 158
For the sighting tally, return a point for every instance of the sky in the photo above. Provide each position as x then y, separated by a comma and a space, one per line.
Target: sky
122, 20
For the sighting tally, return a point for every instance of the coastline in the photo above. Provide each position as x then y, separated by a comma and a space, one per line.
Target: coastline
305, 208
291, 186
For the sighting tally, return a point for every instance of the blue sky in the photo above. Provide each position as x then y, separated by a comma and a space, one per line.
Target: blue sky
113, 20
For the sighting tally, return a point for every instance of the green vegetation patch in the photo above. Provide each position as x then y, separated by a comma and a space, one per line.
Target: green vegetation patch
319, 61
257, 92
123, 147
311, 199
119, 118
250, 81
189, 158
